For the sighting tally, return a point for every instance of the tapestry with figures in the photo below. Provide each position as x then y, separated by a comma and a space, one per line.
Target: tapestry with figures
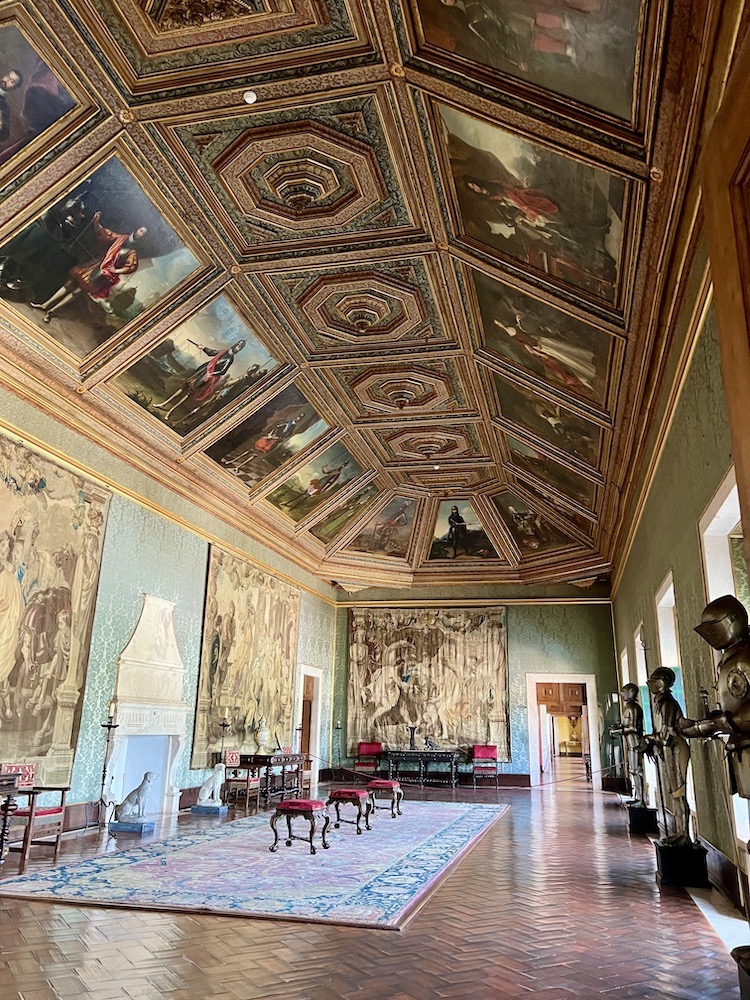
52, 523
442, 671
248, 660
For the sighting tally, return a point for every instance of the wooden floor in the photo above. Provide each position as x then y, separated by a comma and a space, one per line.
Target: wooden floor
557, 902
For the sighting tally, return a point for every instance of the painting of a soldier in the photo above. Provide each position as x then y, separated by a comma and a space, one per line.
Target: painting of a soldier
205, 364
32, 99
530, 531
278, 431
331, 526
538, 338
93, 261
549, 420
557, 215
459, 534
316, 482
547, 471
388, 533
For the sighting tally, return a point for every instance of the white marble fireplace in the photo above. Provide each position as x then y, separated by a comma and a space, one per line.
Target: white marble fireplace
149, 710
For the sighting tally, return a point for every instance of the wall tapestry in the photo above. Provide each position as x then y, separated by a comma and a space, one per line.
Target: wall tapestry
445, 672
248, 660
51, 534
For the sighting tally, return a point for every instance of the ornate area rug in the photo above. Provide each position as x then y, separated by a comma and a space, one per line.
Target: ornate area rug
378, 879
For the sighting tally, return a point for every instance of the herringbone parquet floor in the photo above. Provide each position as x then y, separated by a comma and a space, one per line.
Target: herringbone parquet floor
556, 903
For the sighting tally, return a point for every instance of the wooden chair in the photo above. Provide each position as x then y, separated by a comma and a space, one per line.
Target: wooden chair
367, 762
484, 763
43, 824
306, 779
242, 782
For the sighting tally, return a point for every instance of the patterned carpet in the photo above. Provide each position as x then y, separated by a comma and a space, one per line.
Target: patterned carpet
378, 879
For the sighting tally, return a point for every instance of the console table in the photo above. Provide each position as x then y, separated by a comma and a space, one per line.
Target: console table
291, 765
423, 759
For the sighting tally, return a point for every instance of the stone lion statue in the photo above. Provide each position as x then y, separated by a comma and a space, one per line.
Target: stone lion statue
210, 790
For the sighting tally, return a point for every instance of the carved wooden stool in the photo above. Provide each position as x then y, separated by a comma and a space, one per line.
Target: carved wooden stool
359, 798
310, 809
386, 785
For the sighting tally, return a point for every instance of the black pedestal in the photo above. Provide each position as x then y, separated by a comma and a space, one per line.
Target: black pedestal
681, 865
642, 820
741, 956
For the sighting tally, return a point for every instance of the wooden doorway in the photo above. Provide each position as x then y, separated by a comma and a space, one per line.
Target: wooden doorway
309, 719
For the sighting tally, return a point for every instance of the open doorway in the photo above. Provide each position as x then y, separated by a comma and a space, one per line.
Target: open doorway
309, 723
545, 694
568, 737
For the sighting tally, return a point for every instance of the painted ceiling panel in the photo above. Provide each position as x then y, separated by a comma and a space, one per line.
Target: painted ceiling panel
376, 279
540, 339
560, 217
580, 49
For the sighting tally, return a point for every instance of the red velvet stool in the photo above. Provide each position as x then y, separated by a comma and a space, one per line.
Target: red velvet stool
359, 798
310, 809
385, 785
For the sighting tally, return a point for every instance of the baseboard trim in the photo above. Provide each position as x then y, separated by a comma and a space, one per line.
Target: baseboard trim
723, 873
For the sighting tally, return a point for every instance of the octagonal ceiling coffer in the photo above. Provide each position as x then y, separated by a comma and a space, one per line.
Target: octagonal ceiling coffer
301, 175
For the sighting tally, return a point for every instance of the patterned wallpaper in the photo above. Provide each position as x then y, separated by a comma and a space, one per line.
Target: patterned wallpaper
558, 639
739, 569
695, 460
317, 641
134, 562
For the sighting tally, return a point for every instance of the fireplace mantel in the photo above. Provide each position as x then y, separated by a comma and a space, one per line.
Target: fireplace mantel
148, 697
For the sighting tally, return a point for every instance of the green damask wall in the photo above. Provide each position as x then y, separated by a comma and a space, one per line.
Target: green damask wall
542, 638
133, 564
696, 458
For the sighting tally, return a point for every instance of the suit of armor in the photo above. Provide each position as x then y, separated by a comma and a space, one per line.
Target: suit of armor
724, 626
631, 731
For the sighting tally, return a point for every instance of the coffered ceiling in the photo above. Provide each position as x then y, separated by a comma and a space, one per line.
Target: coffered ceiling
373, 280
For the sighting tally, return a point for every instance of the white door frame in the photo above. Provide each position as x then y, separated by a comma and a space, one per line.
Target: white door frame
317, 675
592, 715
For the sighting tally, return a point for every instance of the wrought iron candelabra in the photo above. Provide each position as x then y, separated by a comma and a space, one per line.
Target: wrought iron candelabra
225, 724
109, 725
337, 750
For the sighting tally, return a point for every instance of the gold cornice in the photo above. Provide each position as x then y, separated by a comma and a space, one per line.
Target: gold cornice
476, 602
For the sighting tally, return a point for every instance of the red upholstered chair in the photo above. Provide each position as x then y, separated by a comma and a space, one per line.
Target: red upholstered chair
367, 762
43, 824
484, 762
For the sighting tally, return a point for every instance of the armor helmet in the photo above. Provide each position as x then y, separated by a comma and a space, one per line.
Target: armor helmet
665, 674
723, 622
629, 691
